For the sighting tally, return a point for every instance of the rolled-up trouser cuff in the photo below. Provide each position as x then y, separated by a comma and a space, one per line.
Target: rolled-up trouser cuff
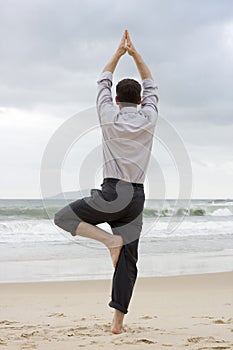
118, 307
73, 228
67, 220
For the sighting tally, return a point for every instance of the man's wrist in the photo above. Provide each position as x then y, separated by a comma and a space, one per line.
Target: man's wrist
118, 55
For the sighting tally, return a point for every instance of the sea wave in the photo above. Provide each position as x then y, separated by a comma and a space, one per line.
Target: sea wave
28, 212
27, 231
193, 211
30, 231
46, 230
15, 213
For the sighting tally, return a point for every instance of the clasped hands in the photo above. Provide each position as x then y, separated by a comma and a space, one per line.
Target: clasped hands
126, 45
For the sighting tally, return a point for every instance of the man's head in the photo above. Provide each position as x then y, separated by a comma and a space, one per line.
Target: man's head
128, 91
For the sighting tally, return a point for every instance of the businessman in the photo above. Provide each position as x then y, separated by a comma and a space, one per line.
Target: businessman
127, 141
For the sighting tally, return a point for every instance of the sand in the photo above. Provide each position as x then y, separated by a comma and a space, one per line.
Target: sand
184, 312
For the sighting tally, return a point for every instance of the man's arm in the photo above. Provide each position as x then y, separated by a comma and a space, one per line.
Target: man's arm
141, 66
104, 101
121, 50
150, 90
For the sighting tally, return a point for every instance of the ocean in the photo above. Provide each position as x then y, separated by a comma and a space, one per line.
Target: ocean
175, 240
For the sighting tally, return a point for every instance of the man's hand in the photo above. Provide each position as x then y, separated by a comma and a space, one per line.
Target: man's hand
129, 45
141, 66
122, 46
121, 50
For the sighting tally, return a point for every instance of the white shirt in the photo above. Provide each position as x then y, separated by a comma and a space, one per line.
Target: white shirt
127, 132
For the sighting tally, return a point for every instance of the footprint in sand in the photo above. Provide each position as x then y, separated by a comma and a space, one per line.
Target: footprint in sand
102, 327
133, 342
7, 323
70, 334
209, 317
138, 329
220, 321
209, 340
28, 346
28, 335
195, 339
215, 348
57, 314
144, 341
2, 342
167, 345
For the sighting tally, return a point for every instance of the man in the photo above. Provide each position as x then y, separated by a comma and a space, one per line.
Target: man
127, 141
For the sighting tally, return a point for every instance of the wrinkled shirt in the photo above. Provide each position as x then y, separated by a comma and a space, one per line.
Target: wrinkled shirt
127, 132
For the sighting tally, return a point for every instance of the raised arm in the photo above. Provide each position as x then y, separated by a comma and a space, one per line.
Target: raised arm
141, 66
121, 50
105, 107
150, 90
104, 100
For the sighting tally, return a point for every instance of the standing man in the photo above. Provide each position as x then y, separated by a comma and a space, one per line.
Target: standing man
127, 141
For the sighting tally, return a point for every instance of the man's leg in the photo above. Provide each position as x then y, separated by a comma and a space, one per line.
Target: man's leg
79, 218
126, 272
113, 242
123, 283
117, 322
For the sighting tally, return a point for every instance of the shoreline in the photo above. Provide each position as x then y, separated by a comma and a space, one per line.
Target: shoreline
51, 268
105, 279
192, 311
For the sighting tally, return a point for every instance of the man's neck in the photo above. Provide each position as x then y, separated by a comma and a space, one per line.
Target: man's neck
126, 104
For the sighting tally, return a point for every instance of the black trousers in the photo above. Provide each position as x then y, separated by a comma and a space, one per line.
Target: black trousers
120, 204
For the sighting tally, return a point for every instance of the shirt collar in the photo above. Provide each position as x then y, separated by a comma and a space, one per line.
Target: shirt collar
130, 109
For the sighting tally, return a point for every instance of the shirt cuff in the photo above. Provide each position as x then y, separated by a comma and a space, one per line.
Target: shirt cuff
147, 83
106, 75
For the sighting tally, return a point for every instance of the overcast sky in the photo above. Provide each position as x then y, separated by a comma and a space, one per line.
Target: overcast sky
51, 53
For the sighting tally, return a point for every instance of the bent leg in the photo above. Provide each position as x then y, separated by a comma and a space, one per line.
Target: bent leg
113, 242
79, 218
67, 218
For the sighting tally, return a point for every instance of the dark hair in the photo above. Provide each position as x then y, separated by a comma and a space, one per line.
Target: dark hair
128, 91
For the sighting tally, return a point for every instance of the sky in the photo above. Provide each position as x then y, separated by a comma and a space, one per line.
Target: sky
52, 53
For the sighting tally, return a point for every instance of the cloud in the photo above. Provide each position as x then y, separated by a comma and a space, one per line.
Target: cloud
53, 51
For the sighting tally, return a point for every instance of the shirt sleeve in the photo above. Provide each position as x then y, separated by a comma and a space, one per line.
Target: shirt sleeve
104, 102
150, 98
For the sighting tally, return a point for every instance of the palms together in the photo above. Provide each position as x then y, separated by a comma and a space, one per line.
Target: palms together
126, 45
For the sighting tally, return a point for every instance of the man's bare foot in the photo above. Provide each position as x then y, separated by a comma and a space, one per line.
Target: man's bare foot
117, 322
115, 248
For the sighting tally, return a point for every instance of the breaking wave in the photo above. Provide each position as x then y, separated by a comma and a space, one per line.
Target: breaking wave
152, 209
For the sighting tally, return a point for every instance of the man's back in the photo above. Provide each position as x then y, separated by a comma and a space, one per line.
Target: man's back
127, 132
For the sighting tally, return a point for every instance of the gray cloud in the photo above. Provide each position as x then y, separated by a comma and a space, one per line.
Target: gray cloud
52, 52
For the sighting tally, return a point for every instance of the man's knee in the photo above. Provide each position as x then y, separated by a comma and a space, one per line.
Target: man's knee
60, 218
67, 220
57, 218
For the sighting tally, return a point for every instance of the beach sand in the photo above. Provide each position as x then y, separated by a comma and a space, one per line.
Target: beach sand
184, 312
